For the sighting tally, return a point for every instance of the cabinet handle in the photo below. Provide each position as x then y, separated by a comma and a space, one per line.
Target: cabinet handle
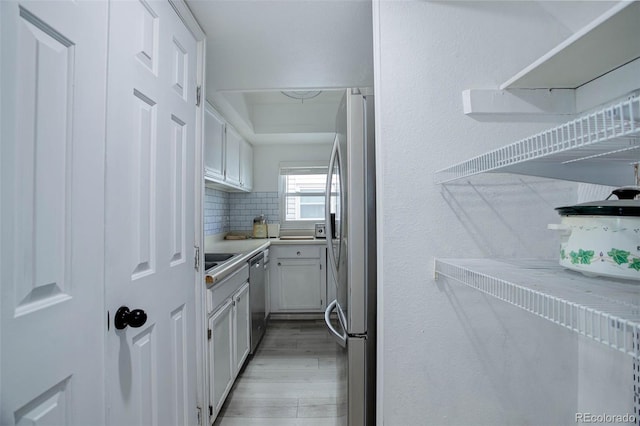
298, 253
279, 264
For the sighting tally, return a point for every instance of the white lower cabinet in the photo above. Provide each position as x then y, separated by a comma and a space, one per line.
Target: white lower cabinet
221, 361
298, 278
228, 336
242, 323
299, 284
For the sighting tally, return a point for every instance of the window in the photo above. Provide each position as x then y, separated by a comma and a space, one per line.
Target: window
302, 193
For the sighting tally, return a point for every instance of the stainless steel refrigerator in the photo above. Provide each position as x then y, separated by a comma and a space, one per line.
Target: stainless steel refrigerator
350, 196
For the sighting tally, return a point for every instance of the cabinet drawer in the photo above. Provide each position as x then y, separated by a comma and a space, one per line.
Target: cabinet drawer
297, 252
220, 292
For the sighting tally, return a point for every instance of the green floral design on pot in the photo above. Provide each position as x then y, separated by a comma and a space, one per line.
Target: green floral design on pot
619, 256
635, 264
583, 257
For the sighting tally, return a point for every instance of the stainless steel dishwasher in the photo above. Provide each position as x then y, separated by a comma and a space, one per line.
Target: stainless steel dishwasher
257, 299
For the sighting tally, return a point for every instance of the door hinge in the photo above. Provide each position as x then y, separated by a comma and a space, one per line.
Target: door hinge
198, 95
196, 261
211, 410
209, 334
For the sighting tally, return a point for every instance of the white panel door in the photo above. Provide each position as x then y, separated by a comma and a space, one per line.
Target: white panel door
52, 179
151, 116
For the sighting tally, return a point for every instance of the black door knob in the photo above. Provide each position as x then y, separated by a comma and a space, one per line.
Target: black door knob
125, 317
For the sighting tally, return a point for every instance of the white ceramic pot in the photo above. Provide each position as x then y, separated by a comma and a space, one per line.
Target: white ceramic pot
602, 238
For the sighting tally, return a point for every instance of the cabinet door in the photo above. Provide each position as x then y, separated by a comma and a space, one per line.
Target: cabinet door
242, 322
300, 285
232, 156
246, 165
214, 134
221, 362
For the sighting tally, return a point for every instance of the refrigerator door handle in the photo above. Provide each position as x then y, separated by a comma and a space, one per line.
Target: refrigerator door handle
340, 338
327, 213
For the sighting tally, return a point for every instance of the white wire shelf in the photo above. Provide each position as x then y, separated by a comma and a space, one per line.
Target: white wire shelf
606, 311
598, 147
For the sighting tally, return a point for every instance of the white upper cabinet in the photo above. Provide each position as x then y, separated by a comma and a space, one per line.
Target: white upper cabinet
234, 140
228, 158
246, 165
214, 127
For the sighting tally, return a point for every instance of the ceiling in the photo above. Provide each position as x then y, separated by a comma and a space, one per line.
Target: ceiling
258, 48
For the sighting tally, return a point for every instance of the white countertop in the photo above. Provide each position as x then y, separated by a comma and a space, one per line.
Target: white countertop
247, 249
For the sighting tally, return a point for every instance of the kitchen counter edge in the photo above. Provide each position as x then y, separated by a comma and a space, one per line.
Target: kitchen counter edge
247, 249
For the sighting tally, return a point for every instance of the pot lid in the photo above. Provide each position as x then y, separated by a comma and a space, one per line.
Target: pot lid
625, 205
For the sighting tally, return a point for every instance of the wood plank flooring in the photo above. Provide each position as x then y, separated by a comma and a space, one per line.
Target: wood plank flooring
291, 380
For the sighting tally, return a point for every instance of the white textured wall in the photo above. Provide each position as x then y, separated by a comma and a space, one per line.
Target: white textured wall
267, 158
451, 355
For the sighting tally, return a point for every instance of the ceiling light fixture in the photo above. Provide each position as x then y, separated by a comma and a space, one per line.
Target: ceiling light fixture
301, 95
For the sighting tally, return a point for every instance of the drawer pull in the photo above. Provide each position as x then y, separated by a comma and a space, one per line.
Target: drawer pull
298, 253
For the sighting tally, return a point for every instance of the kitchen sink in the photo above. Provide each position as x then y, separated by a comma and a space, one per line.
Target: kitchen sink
211, 260
209, 265
218, 257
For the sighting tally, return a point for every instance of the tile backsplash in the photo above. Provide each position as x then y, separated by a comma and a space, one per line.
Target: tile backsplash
234, 211
246, 206
216, 211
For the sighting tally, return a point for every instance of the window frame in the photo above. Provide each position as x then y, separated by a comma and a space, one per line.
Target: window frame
306, 224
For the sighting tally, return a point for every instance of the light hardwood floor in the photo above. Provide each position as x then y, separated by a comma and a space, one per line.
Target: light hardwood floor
291, 380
